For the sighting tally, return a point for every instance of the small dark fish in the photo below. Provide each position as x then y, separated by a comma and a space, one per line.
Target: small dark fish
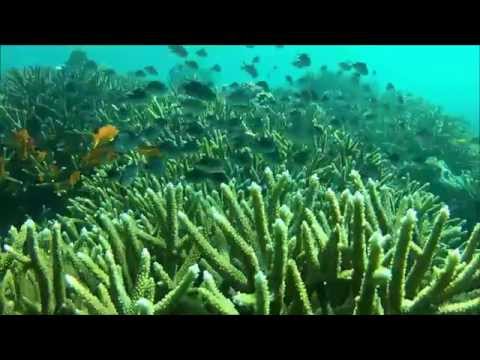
197, 175
305, 95
335, 122
202, 53
234, 85
345, 66
250, 46
264, 145
194, 128
216, 68
178, 50
401, 100
244, 156
302, 156
424, 133
369, 115
240, 96
129, 174
193, 105
394, 158
354, 121
304, 80
126, 141
256, 60
323, 68
156, 87
152, 132
136, 96
279, 46
77, 58
90, 65
169, 148
361, 68
155, 166
263, 85
303, 60
140, 73
289, 79
355, 78
109, 72
250, 69
71, 87
210, 165
151, 70
367, 88
191, 64
198, 90
273, 156
374, 72
241, 138
190, 147
390, 87
275, 67
419, 159
325, 97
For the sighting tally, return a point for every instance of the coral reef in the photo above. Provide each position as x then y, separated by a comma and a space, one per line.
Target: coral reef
285, 246
329, 197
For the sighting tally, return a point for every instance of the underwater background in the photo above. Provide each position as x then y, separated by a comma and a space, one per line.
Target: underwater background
267, 180
445, 75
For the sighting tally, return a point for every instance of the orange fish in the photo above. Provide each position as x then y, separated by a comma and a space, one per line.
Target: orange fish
98, 156
24, 143
54, 171
105, 134
150, 151
41, 155
74, 178
3, 171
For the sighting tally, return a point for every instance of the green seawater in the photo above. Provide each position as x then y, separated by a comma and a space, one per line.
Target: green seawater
445, 75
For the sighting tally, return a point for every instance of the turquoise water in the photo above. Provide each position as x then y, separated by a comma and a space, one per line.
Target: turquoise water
445, 75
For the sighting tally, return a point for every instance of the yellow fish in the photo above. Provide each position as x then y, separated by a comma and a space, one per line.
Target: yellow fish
105, 134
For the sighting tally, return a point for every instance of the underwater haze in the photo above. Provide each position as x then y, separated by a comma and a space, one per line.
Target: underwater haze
447, 76
239, 180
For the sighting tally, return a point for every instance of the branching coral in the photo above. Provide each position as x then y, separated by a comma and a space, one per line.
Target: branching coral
264, 249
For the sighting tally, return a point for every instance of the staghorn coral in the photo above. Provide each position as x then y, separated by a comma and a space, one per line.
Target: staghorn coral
287, 246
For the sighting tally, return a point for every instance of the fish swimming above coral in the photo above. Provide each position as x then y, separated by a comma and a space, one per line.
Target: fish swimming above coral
156, 87
361, 68
151, 70
302, 61
192, 105
140, 74
137, 96
77, 59
250, 69
192, 64
204, 185
201, 52
345, 66
23, 143
104, 134
127, 141
198, 90
216, 68
178, 50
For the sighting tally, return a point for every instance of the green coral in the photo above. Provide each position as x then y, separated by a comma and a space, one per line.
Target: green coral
329, 258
